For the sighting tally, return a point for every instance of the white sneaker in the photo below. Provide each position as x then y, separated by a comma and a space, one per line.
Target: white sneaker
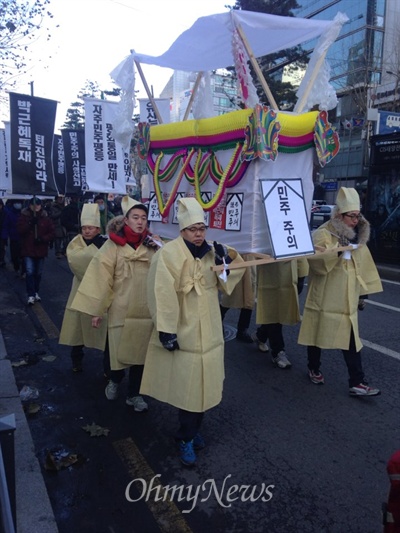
137, 403
31, 300
37, 298
262, 346
281, 361
112, 390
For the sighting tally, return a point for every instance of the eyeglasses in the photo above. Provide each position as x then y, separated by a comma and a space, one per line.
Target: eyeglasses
194, 229
353, 216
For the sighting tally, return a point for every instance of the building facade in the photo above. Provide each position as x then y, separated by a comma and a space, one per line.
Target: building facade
360, 62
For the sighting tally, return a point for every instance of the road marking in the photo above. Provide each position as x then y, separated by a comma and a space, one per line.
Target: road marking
381, 349
390, 281
385, 306
166, 513
45, 321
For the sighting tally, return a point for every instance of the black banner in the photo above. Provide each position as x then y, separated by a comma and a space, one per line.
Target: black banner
59, 164
32, 122
75, 165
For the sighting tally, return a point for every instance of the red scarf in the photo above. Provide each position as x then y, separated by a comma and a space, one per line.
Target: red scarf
129, 237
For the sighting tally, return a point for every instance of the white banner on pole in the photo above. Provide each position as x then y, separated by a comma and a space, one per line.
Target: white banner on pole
286, 217
147, 113
108, 166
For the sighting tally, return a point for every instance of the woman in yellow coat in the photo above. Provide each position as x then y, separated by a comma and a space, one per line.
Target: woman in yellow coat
115, 282
336, 281
76, 329
185, 360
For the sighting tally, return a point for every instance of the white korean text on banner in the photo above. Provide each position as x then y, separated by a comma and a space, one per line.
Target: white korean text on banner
59, 164
32, 122
5, 178
286, 217
108, 166
74, 157
147, 113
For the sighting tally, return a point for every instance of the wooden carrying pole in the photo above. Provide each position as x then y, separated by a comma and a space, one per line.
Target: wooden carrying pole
264, 259
257, 69
151, 98
192, 96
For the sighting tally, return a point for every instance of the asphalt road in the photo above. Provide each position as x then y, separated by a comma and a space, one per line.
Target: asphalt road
282, 455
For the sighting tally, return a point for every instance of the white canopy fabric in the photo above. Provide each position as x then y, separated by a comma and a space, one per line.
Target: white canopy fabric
207, 45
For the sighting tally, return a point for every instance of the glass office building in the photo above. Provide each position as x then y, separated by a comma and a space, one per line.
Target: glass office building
357, 61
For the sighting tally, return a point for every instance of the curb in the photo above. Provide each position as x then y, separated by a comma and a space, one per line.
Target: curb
34, 511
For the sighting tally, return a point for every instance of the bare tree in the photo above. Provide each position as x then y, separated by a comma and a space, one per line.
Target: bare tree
21, 24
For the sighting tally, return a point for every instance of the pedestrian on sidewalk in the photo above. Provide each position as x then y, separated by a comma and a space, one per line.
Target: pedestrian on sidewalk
115, 283
185, 360
36, 231
335, 284
76, 329
278, 287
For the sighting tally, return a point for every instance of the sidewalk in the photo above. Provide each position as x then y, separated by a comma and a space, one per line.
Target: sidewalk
34, 511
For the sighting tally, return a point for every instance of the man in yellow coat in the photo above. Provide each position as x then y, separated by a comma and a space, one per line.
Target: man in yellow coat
76, 329
115, 282
278, 287
336, 281
185, 360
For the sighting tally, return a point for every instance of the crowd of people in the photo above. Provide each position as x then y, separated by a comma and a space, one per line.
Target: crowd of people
156, 308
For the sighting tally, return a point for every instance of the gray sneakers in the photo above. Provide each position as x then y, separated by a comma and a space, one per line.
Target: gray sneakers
281, 361
137, 403
262, 346
111, 390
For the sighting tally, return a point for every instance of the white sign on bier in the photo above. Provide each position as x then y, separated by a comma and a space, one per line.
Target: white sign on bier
286, 217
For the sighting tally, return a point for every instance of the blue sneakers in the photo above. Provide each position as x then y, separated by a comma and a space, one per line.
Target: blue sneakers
186, 453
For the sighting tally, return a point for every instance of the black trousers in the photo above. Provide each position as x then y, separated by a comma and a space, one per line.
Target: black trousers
189, 425
244, 317
134, 376
351, 356
273, 333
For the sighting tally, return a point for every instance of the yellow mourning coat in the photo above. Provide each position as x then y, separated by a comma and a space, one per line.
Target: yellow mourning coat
244, 294
115, 282
334, 287
277, 297
76, 329
183, 299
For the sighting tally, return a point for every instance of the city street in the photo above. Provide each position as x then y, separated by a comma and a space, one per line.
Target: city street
283, 455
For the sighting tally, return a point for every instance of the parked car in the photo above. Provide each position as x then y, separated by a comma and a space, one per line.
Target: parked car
320, 214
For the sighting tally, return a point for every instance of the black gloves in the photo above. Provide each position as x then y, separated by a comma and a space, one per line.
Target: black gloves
300, 285
221, 253
38, 240
169, 341
34, 220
